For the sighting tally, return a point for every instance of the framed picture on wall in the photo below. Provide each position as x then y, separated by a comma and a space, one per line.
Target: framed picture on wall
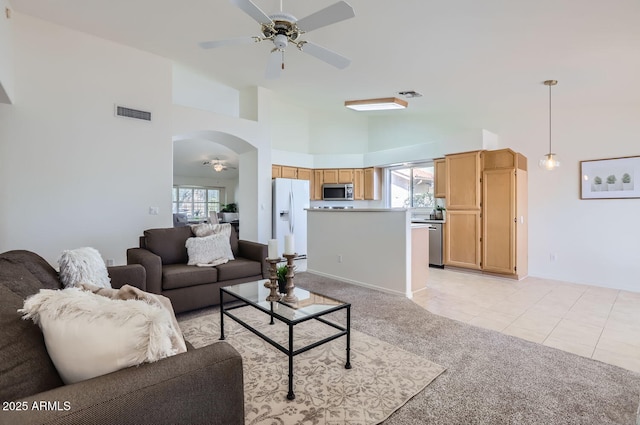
611, 178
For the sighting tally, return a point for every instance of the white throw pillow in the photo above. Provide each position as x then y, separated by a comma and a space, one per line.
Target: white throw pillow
88, 335
83, 265
209, 250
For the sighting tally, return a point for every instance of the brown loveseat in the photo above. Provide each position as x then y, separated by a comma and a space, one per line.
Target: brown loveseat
163, 254
203, 386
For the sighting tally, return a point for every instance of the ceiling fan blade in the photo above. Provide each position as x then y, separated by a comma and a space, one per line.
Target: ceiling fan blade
252, 10
228, 42
329, 15
274, 65
326, 55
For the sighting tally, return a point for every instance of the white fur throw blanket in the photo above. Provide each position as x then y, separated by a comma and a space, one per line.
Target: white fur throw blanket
83, 265
88, 335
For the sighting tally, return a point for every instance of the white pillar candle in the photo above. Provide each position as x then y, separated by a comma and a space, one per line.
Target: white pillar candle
273, 249
288, 245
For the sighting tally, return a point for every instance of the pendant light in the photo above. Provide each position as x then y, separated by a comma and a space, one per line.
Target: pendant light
549, 161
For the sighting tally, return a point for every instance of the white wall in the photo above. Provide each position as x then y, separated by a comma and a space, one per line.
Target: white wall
71, 173
596, 241
6, 55
197, 91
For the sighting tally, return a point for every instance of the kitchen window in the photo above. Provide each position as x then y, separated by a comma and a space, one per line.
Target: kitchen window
411, 186
197, 201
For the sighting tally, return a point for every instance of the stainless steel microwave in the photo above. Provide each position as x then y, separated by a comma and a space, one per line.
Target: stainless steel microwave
337, 192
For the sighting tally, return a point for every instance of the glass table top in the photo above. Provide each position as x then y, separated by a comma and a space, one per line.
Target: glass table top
309, 303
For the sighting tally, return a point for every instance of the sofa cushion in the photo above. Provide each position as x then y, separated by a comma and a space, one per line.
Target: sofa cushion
180, 276
169, 243
238, 268
233, 238
25, 366
89, 335
36, 265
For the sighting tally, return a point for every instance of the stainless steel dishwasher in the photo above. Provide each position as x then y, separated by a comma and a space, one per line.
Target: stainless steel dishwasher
435, 244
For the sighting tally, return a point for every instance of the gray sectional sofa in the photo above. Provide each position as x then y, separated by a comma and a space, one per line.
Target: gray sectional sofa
200, 386
163, 254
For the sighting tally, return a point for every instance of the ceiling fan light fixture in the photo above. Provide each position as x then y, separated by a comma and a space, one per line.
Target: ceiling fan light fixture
381, 104
218, 167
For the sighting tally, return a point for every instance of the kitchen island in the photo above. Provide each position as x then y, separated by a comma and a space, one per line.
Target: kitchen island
374, 247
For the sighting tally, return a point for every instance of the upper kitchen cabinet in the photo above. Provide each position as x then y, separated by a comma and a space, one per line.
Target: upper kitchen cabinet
504, 213
463, 173
372, 184
358, 184
289, 172
330, 176
440, 177
305, 174
316, 185
345, 175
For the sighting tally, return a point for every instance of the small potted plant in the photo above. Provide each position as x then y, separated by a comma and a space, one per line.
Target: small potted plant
611, 182
597, 184
282, 278
626, 182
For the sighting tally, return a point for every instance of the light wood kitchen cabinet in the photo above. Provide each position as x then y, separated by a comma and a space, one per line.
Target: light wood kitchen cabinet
440, 178
371, 184
289, 172
345, 175
504, 213
463, 231
463, 173
276, 171
316, 185
330, 176
305, 174
358, 184
462, 239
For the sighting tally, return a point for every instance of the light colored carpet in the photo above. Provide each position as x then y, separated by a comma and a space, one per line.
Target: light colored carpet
382, 378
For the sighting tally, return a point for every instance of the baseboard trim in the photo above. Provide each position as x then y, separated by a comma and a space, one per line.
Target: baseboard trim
357, 283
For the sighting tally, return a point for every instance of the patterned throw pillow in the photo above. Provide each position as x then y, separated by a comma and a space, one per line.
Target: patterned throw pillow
209, 250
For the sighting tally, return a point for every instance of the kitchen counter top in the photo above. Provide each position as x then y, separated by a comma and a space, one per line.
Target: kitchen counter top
338, 209
426, 220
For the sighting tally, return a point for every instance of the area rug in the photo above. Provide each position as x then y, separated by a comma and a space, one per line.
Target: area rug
381, 380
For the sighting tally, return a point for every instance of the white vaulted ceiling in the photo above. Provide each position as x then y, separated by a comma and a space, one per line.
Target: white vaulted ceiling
470, 59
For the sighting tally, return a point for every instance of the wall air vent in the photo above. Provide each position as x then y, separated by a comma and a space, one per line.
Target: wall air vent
122, 111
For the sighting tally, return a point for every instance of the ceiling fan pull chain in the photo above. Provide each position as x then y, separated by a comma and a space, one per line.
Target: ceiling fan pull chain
282, 53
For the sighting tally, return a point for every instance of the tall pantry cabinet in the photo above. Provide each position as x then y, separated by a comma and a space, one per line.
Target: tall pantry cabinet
504, 213
486, 227
463, 193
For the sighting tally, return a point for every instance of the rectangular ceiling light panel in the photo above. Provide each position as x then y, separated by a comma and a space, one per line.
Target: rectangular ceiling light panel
381, 104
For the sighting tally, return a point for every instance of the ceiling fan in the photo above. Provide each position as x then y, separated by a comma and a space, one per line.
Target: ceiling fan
283, 29
217, 165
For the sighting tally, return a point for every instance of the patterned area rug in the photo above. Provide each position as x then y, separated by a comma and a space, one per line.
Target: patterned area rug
382, 379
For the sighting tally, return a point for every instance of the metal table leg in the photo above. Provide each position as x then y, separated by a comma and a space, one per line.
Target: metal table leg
291, 395
221, 315
348, 364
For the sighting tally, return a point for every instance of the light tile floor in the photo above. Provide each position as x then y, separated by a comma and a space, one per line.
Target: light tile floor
594, 322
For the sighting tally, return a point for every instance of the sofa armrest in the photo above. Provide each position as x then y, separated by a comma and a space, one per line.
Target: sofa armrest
255, 251
152, 264
133, 274
203, 386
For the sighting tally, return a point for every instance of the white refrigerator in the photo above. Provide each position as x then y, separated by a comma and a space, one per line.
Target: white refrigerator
290, 198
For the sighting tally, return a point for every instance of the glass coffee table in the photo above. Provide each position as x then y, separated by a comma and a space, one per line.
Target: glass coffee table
310, 306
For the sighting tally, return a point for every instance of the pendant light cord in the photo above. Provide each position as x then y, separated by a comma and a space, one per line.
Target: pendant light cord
550, 119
